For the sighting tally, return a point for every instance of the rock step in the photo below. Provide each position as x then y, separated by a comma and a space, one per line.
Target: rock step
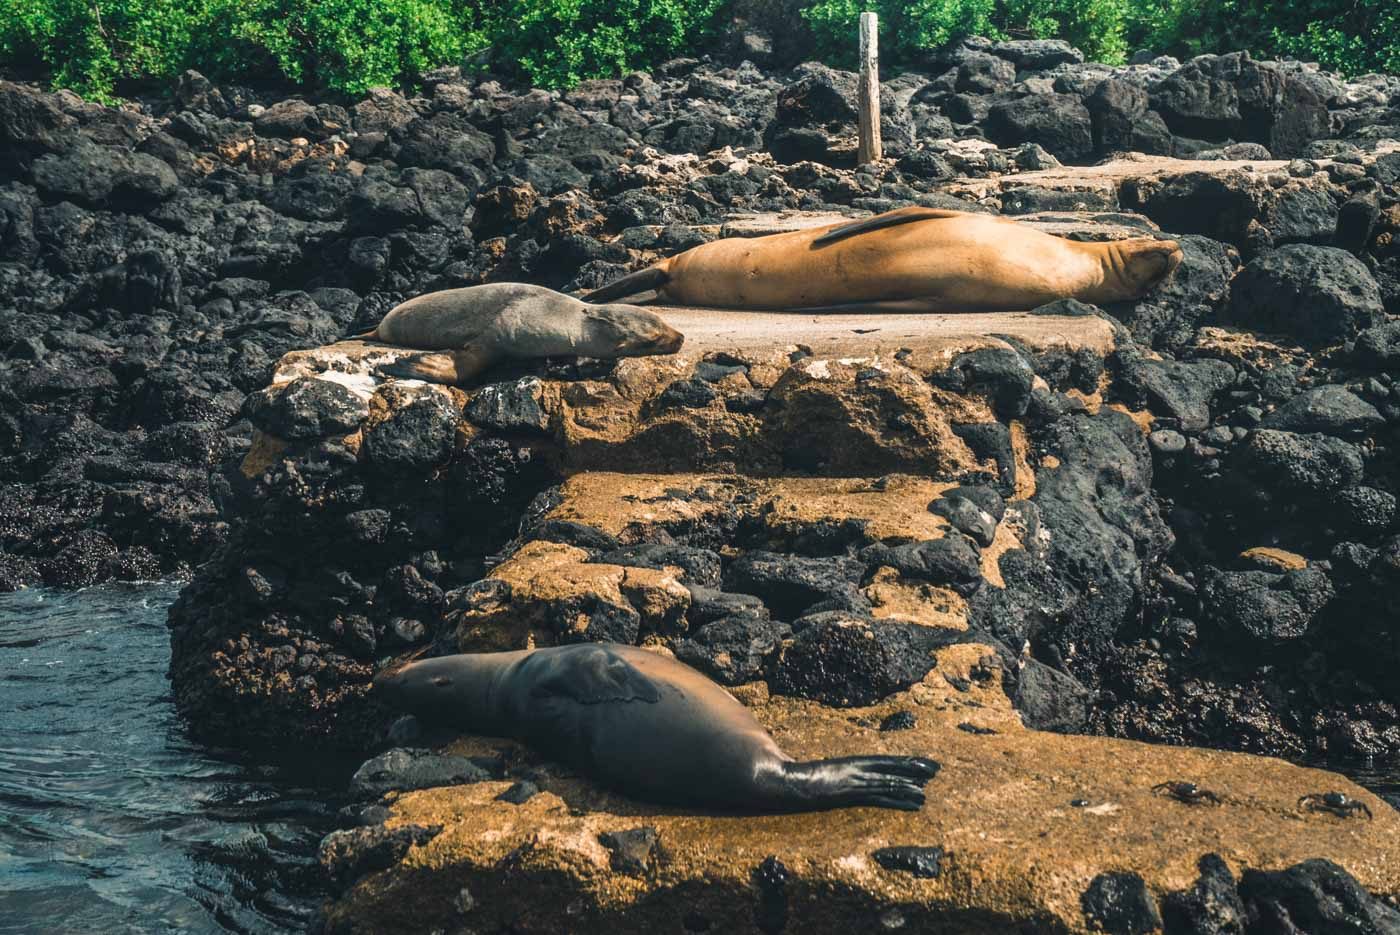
881, 334
869, 336
1021, 828
645, 555
758, 393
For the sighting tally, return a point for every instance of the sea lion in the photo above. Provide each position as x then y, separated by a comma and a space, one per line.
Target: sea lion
645, 724
481, 325
909, 260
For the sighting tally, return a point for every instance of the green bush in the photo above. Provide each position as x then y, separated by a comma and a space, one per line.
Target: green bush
345, 45
350, 45
1096, 27
906, 26
1349, 36
558, 43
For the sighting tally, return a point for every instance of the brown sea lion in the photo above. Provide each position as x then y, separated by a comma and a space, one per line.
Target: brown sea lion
910, 260
480, 325
645, 724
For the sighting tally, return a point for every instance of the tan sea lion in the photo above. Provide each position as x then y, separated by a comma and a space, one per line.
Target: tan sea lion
910, 260
645, 724
480, 325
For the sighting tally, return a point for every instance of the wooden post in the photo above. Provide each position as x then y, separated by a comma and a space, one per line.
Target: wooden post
868, 90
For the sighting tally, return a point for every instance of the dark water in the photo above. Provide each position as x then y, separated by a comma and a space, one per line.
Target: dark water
111, 820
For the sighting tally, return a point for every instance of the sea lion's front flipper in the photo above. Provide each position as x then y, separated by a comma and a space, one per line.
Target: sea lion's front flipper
453, 368
595, 675
888, 219
643, 280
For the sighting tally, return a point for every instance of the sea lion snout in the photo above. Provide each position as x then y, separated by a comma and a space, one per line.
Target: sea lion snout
1147, 263
391, 682
632, 331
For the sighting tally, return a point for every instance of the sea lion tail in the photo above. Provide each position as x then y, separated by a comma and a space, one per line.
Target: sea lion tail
653, 277
370, 335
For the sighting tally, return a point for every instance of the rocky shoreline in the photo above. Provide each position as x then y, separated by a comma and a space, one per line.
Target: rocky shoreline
1172, 521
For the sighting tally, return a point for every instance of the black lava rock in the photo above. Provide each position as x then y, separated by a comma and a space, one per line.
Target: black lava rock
922, 862
404, 769
1268, 607
510, 407
634, 851
953, 560
416, 437
1329, 409
1314, 896
1211, 907
790, 584
1179, 391
1058, 122
1317, 294
350, 854
1120, 904
847, 661
1287, 462
1001, 374
732, 650
307, 407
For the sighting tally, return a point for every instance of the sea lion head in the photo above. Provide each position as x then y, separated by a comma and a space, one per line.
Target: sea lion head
629, 331
1141, 265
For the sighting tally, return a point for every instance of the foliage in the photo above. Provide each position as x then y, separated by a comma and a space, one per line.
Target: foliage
1097, 27
558, 43
906, 26
351, 45
345, 45
1350, 36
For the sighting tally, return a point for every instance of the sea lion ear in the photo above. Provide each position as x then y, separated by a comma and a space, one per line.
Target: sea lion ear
596, 675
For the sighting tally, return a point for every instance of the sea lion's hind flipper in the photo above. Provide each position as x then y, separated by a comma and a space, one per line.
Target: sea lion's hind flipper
643, 280
852, 781
594, 676
452, 368
881, 221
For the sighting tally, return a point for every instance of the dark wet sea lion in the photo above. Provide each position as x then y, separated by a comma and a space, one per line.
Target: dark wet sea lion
645, 724
910, 260
480, 325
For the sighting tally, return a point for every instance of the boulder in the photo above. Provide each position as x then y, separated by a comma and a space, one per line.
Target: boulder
1317, 294
1058, 122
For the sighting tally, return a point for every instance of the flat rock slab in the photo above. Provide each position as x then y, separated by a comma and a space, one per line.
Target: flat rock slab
1016, 852
880, 334
763, 223
1108, 177
921, 340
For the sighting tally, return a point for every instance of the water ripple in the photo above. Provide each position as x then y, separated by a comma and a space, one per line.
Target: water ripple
111, 819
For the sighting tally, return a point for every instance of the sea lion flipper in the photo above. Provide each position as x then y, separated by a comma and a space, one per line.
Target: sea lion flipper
596, 675
879, 781
881, 221
453, 368
653, 277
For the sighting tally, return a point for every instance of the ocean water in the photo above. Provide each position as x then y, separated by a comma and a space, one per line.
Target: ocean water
111, 819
